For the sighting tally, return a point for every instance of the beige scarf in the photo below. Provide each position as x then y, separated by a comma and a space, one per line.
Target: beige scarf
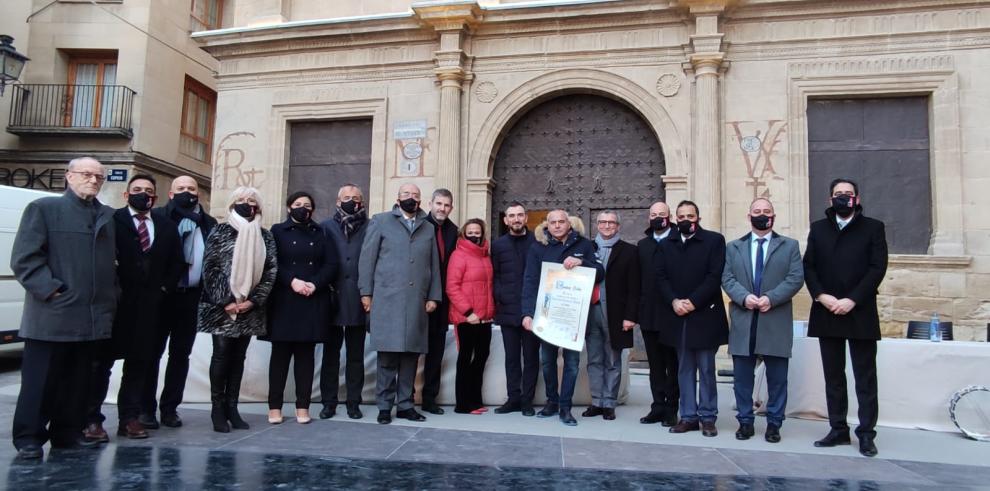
249, 255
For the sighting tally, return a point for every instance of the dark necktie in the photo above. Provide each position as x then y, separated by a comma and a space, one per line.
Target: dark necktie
758, 275
143, 234
440, 245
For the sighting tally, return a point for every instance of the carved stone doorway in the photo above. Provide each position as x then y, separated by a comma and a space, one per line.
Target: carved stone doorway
583, 153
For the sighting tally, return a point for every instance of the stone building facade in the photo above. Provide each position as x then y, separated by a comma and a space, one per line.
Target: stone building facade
120, 80
591, 104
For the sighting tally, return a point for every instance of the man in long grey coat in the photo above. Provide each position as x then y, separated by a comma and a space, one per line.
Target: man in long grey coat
763, 271
399, 279
63, 256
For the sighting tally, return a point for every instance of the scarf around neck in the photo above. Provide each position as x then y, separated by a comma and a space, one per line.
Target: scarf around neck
249, 255
605, 247
350, 223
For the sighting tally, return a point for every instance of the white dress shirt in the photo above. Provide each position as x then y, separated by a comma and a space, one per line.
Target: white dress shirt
149, 223
752, 249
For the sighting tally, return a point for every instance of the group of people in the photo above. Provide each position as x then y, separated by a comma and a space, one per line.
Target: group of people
106, 284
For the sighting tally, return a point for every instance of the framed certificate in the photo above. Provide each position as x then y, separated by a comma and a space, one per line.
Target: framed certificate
562, 305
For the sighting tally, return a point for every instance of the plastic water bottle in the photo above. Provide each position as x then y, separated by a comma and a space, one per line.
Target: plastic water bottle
934, 333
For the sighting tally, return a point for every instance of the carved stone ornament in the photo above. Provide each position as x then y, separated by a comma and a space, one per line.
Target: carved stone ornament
668, 84
486, 92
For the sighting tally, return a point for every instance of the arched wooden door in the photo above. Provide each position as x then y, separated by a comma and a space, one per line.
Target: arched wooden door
583, 153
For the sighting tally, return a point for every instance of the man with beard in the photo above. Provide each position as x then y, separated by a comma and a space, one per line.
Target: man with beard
178, 326
441, 204
844, 264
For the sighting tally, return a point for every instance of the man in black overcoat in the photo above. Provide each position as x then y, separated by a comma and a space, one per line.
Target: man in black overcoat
149, 263
441, 204
844, 264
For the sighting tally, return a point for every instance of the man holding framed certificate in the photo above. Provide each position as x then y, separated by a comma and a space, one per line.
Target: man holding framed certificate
555, 304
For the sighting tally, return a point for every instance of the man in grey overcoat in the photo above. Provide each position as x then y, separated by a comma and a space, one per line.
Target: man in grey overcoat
63, 256
763, 271
399, 280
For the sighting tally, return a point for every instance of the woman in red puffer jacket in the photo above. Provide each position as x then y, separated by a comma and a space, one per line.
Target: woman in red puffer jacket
472, 308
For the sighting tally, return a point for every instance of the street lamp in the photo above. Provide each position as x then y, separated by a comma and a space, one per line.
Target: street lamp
11, 62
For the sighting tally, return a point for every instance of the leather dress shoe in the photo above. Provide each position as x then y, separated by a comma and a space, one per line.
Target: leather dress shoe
567, 418
773, 433
94, 432
508, 407
592, 411
608, 414
708, 428
527, 410
410, 414
669, 420
548, 410
652, 418
133, 430
430, 408
684, 426
745, 431
833, 438
328, 412
171, 420
148, 421
384, 417
867, 447
353, 411
30, 451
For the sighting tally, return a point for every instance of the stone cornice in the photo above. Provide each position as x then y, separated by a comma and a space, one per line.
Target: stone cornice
619, 57
706, 7
872, 66
865, 45
923, 261
761, 10
448, 16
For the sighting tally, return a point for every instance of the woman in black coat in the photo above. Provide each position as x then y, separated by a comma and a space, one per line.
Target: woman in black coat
299, 310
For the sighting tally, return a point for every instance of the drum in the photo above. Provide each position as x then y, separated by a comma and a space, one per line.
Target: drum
969, 410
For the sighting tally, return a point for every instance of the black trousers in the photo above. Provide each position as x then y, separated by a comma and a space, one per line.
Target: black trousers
132, 382
433, 362
178, 329
473, 346
663, 374
353, 336
227, 368
521, 372
278, 372
864, 364
54, 384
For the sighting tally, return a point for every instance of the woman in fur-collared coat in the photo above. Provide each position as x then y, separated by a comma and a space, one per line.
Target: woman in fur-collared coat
239, 269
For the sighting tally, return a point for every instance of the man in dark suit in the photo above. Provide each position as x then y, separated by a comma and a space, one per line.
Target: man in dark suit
148, 265
178, 325
689, 276
661, 357
844, 264
63, 256
441, 204
611, 320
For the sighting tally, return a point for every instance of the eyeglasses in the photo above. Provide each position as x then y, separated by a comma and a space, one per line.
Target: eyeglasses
610, 223
89, 175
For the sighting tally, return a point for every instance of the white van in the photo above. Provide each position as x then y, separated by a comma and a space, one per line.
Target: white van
12, 203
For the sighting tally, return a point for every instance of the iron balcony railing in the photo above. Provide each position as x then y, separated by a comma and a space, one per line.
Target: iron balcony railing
54, 109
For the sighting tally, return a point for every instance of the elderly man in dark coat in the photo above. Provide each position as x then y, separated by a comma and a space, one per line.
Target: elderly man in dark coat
762, 273
63, 256
844, 263
149, 263
399, 280
689, 273
349, 322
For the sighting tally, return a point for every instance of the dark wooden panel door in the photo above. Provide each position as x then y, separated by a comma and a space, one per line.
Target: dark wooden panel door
883, 145
582, 153
326, 155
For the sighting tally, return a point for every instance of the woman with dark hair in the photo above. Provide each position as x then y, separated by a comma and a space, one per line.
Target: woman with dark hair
299, 315
472, 308
239, 268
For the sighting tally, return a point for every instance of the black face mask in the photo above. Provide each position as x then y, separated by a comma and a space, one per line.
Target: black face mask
687, 227
245, 210
300, 214
761, 222
660, 224
842, 205
185, 200
141, 201
474, 240
350, 207
409, 205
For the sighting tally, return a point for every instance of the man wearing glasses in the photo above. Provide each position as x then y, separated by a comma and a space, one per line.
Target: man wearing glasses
844, 263
611, 320
63, 256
